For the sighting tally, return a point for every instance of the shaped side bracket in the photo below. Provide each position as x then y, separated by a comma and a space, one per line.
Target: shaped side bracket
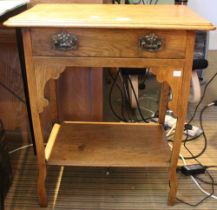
43, 73
174, 80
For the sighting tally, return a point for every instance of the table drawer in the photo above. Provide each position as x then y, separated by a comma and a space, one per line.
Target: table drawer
108, 43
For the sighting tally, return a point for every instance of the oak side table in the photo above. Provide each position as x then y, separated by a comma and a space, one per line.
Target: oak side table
160, 37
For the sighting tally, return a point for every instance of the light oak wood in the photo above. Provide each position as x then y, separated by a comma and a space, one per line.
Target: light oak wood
47, 68
164, 98
110, 62
111, 144
110, 123
108, 145
85, 87
174, 79
87, 104
130, 188
43, 73
111, 16
181, 113
51, 141
109, 43
35, 118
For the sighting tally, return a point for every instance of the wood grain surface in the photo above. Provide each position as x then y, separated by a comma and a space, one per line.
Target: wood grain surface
108, 145
118, 188
109, 43
111, 145
13, 113
76, 101
111, 16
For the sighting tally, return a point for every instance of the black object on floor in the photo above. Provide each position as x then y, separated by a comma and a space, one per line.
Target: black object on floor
5, 168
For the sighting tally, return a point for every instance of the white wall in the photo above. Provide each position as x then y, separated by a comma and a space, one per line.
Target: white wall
208, 10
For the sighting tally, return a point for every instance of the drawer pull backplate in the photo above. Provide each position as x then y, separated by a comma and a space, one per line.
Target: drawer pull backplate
151, 42
65, 41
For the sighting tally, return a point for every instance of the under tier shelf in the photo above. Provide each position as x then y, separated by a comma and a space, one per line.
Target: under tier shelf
107, 145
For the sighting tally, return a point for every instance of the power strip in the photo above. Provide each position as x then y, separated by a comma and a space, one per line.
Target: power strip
193, 132
170, 121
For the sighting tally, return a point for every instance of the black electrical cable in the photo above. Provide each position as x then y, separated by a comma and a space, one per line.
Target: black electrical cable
187, 140
192, 139
138, 2
110, 98
122, 96
124, 101
212, 184
125, 88
2, 131
13, 93
123, 117
205, 198
118, 1
202, 97
204, 137
123, 106
201, 123
205, 143
156, 2
204, 181
137, 102
203, 134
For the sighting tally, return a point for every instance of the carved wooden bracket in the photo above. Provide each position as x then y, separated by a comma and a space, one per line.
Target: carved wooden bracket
43, 73
174, 80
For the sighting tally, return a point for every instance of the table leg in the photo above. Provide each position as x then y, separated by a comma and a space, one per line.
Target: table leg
174, 160
25, 87
181, 113
32, 88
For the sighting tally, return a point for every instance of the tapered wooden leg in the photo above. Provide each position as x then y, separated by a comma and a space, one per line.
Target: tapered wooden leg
181, 113
42, 194
174, 160
34, 105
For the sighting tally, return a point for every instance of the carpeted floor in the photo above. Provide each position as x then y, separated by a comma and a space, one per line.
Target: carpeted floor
117, 188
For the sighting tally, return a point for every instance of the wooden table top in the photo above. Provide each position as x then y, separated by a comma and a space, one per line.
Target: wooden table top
110, 16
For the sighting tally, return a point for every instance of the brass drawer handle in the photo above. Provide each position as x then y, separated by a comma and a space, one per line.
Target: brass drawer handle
151, 42
65, 41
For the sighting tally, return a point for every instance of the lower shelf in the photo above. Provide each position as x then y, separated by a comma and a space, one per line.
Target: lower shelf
107, 145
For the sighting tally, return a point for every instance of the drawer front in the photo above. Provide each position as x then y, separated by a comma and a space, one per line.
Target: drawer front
108, 43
